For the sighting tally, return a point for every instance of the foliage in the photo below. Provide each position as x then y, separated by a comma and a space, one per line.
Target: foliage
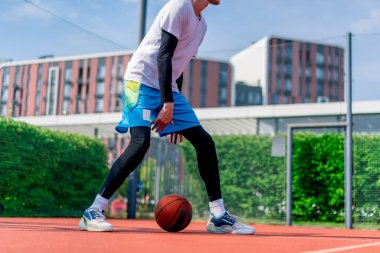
318, 177
47, 173
366, 182
253, 182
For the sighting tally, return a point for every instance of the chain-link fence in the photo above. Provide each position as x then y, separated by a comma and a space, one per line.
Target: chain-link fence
366, 179
161, 173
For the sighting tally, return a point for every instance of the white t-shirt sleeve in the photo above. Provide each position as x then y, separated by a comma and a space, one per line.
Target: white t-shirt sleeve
173, 18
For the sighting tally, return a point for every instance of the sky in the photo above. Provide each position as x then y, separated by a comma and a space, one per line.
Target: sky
27, 32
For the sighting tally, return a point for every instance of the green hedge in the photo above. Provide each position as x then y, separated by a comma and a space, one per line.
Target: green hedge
367, 179
253, 182
47, 173
318, 177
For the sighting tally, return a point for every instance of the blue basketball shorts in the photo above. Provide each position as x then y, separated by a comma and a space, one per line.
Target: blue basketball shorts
141, 105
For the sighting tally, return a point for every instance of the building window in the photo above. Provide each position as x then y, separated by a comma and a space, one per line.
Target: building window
66, 107
203, 84
120, 84
288, 51
67, 88
100, 84
52, 91
99, 104
112, 95
336, 61
79, 105
80, 87
278, 49
320, 73
320, 57
38, 91
319, 88
329, 59
17, 91
29, 71
288, 86
17, 76
87, 87
288, 70
308, 71
308, 89
222, 96
278, 85
4, 92
274, 99
336, 76
308, 53
100, 88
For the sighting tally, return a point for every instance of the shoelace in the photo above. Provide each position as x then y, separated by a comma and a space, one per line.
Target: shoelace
95, 214
238, 218
230, 218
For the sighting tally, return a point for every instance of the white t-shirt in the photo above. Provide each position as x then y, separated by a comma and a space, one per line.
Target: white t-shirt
178, 18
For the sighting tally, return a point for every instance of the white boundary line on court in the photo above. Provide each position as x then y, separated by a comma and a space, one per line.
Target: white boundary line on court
344, 248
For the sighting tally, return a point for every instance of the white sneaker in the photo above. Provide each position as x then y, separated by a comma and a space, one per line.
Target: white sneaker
228, 224
94, 220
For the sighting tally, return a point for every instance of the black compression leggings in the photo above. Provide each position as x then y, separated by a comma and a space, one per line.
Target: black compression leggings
139, 145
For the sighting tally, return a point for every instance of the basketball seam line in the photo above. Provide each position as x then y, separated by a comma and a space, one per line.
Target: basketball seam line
166, 206
184, 203
175, 214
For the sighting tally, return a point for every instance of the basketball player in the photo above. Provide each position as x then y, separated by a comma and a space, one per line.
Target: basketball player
152, 101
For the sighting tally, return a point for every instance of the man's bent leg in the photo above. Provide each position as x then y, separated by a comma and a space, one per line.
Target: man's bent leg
93, 218
207, 159
128, 161
220, 221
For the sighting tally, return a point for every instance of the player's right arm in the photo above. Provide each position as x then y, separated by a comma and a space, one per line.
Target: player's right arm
164, 64
171, 25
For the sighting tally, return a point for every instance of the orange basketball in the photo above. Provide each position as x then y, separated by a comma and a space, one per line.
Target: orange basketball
173, 213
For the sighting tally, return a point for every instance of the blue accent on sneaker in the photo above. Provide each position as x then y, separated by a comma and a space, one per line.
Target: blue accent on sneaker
225, 219
93, 214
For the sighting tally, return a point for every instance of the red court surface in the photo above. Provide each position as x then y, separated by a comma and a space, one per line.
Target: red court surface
40, 235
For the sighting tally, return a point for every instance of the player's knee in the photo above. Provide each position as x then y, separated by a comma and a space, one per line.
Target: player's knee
145, 145
141, 144
207, 142
140, 139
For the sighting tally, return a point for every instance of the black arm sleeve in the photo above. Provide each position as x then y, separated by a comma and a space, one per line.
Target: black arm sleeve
179, 82
164, 63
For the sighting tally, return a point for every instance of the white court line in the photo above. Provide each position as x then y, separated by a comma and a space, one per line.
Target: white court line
344, 248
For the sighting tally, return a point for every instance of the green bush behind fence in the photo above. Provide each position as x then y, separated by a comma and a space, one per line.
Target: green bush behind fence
253, 182
47, 173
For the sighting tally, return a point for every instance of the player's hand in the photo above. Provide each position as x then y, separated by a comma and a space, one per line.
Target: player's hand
165, 116
175, 138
